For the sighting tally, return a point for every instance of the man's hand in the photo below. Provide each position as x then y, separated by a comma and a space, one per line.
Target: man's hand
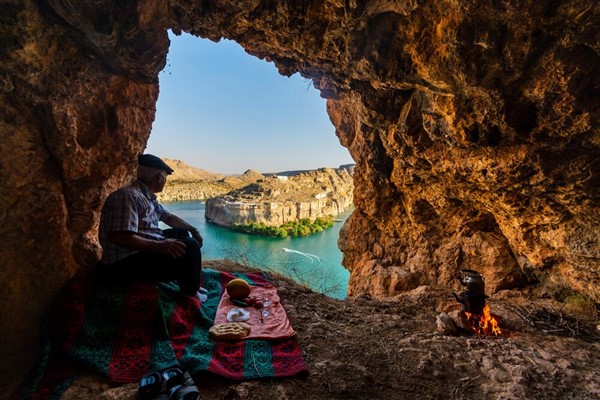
172, 247
175, 222
196, 235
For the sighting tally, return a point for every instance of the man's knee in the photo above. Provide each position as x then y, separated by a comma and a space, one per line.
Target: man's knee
192, 257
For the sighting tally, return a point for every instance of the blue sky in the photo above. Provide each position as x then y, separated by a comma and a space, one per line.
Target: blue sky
225, 111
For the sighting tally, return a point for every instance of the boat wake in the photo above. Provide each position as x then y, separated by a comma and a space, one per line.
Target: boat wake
311, 257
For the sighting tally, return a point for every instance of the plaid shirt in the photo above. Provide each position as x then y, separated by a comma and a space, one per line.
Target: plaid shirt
132, 208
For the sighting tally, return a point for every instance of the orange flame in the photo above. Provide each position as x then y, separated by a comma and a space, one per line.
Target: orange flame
484, 324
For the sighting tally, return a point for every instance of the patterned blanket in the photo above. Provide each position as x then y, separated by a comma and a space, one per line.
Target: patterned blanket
125, 331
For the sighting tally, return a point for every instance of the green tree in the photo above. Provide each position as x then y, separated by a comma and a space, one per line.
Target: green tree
302, 227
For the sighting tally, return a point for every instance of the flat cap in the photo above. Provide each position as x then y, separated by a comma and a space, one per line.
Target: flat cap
150, 160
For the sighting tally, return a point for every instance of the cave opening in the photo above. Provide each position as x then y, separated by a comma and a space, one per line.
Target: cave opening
224, 111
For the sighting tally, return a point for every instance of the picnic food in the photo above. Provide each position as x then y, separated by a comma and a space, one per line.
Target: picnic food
238, 315
229, 331
254, 302
238, 288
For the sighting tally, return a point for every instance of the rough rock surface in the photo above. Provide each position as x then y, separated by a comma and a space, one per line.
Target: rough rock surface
473, 124
474, 127
191, 183
78, 91
280, 199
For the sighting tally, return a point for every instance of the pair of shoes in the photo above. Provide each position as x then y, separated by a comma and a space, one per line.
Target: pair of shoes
156, 385
168, 384
185, 389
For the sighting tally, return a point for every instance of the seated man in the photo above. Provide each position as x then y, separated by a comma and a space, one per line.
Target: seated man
135, 248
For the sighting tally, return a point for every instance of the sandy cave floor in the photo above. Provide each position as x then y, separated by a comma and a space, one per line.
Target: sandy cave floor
369, 349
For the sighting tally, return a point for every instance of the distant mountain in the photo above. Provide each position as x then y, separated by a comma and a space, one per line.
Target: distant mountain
250, 176
187, 173
302, 171
191, 183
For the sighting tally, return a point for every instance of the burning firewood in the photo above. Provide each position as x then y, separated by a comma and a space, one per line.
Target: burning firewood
475, 316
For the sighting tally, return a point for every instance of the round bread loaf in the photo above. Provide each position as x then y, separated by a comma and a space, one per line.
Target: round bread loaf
238, 288
229, 331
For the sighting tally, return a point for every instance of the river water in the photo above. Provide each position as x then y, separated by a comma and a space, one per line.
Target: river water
314, 261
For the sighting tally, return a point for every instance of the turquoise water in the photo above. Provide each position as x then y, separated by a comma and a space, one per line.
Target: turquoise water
314, 261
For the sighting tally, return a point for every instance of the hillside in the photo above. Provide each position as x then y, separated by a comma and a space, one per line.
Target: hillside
182, 172
191, 183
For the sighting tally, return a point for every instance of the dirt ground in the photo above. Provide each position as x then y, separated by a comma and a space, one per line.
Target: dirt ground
361, 348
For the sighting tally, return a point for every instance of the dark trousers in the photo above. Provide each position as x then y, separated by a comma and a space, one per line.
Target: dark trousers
150, 266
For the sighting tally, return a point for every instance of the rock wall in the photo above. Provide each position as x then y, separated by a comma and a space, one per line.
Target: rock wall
277, 200
474, 127
78, 89
229, 213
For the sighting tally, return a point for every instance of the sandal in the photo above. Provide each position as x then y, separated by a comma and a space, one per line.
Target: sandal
186, 389
157, 385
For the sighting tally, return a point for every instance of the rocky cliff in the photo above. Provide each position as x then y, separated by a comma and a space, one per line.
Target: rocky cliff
191, 183
473, 125
280, 199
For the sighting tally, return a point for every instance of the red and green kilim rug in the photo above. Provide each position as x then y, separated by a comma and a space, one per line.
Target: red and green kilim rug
123, 332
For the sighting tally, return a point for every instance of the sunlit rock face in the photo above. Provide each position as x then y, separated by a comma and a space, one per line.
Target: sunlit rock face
277, 200
473, 124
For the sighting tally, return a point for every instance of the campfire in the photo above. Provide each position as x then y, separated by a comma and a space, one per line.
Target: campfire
475, 315
484, 324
